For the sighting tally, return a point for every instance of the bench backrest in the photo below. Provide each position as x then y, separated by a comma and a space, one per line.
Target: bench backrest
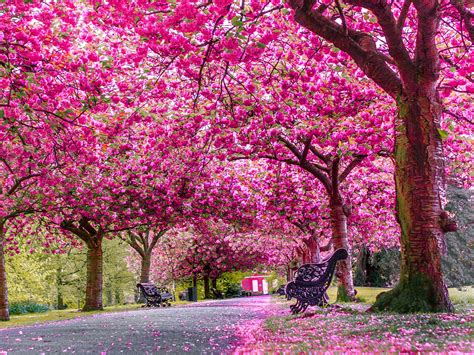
321, 272
148, 288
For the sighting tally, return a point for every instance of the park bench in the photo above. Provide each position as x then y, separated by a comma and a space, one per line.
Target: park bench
312, 281
155, 296
217, 294
281, 291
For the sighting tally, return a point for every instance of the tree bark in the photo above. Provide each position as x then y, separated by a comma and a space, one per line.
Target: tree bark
362, 263
339, 237
59, 283
214, 282
94, 275
109, 294
207, 290
420, 186
314, 252
145, 268
4, 311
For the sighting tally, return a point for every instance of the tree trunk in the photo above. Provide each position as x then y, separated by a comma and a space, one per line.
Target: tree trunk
289, 274
94, 276
59, 283
306, 256
145, 269
4, 311
362, 266
195, 280
214, 282
118, 296
339, 235
207, 290
144, 274
420, 187
314, 250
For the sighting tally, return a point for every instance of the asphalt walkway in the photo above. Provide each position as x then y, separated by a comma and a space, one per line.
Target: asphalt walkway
200, 328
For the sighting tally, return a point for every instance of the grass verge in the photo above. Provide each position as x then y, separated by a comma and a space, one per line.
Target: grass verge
348, 327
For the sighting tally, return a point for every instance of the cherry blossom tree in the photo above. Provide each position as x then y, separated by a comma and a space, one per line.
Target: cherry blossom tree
399, 46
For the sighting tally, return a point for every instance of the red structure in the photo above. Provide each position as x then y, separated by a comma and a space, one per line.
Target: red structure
256, 284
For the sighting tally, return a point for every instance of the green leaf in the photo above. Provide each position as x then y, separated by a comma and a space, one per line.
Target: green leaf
236, 21
2, 114
261, 45
443, 134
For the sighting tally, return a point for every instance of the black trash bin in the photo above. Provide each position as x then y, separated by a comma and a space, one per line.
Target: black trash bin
192, 294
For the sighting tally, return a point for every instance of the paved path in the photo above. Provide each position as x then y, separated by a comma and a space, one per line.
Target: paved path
207, 327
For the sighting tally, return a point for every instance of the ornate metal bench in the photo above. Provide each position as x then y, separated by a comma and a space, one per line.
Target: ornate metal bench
311, 282
155, 296
281, 291
217, 294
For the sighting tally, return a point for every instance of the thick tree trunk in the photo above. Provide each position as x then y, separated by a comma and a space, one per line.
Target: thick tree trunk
207, 290
94, 276
420, 186
339, 236
4, 312
145, 269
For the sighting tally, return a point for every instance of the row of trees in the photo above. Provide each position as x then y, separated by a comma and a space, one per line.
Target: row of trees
129, 119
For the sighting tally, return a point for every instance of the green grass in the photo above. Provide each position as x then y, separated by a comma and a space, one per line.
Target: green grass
369, 294
462, 296
364, 294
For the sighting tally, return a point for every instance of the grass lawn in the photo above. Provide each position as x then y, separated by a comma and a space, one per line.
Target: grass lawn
348, 327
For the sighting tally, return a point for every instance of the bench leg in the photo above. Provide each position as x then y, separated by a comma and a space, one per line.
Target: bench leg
299, 307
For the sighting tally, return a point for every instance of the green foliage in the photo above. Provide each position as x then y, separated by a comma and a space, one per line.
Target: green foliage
59, 280
275, 281
119, 282
29, 277
230, 283
458, 264
27, 307
380, 269
232, 290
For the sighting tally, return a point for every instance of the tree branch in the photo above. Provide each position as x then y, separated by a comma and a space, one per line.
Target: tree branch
18, 183
359, 45
356, 161
466, 16
403, 15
